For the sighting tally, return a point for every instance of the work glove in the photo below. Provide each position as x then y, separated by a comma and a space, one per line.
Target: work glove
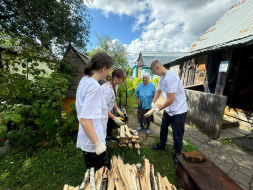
118, 121
153, 105
120, 113
156, 110
99, 147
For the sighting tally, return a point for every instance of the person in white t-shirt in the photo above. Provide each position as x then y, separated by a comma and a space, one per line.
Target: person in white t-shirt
92, 112
175, 107
109, 90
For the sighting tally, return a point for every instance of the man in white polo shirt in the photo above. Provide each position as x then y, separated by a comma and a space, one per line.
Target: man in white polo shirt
175, 107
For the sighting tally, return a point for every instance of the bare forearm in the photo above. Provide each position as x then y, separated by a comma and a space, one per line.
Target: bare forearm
111, 115
89, 129
166, 104
169, 101
115, 106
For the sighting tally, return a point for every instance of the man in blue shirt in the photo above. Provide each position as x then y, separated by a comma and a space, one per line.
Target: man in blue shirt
144, 94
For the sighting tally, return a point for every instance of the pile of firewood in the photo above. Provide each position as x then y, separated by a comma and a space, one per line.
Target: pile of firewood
128, 137
124, 177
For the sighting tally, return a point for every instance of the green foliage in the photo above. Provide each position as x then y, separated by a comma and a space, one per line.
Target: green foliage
155, 81
50, 22
226, 141
113, 48
32, 110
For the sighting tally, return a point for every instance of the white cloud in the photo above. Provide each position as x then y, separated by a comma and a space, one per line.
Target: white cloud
126, 7
166, 25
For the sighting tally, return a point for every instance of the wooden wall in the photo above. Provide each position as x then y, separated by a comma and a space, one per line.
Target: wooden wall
74, 58
193, 72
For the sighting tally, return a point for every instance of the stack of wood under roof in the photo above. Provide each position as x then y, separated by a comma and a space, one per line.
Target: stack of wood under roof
124, 177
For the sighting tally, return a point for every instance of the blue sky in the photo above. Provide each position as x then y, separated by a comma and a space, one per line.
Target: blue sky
117, 27
151, 25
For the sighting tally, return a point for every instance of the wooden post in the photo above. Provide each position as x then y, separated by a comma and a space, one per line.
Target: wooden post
223, 71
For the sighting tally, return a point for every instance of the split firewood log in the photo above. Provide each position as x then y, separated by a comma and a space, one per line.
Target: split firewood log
66, 187
115, 179
99, 177
152, 178
85, 180
122, 131
122, 173
160, 182
127, 132
150, 112
105, 179
147, 172
167, 183
122, 145
138, 183
88, 186
111, 184
130, 145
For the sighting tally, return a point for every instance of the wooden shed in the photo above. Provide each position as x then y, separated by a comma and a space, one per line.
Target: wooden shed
74, 57
217, 71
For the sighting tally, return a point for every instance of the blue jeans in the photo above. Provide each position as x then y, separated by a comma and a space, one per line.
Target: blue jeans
177, 123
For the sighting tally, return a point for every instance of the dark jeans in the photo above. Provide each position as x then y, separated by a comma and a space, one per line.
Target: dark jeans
110, 126
177, 123
96, 161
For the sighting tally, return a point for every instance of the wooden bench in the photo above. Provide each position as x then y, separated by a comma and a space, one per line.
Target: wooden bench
204, 175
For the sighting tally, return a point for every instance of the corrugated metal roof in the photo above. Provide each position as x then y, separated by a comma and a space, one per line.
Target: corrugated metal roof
216, 47
164, 57
236, 23
234, 28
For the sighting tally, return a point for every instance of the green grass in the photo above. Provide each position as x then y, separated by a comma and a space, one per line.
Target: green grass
51, 168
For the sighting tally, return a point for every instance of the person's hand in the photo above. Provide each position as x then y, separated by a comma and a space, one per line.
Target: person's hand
99, 147
120, 113
139, 103
153, 105
118, 121
156, 110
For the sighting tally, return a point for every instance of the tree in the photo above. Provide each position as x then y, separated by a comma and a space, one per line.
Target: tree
114, 48
51, 22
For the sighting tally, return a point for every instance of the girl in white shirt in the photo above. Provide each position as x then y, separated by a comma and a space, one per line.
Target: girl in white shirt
110, 92
92, 111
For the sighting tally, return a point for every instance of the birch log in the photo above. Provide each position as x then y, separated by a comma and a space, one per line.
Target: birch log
92, 179
85, 180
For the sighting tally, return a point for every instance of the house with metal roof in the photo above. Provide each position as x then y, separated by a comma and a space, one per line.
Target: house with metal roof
146, 58
217, 71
